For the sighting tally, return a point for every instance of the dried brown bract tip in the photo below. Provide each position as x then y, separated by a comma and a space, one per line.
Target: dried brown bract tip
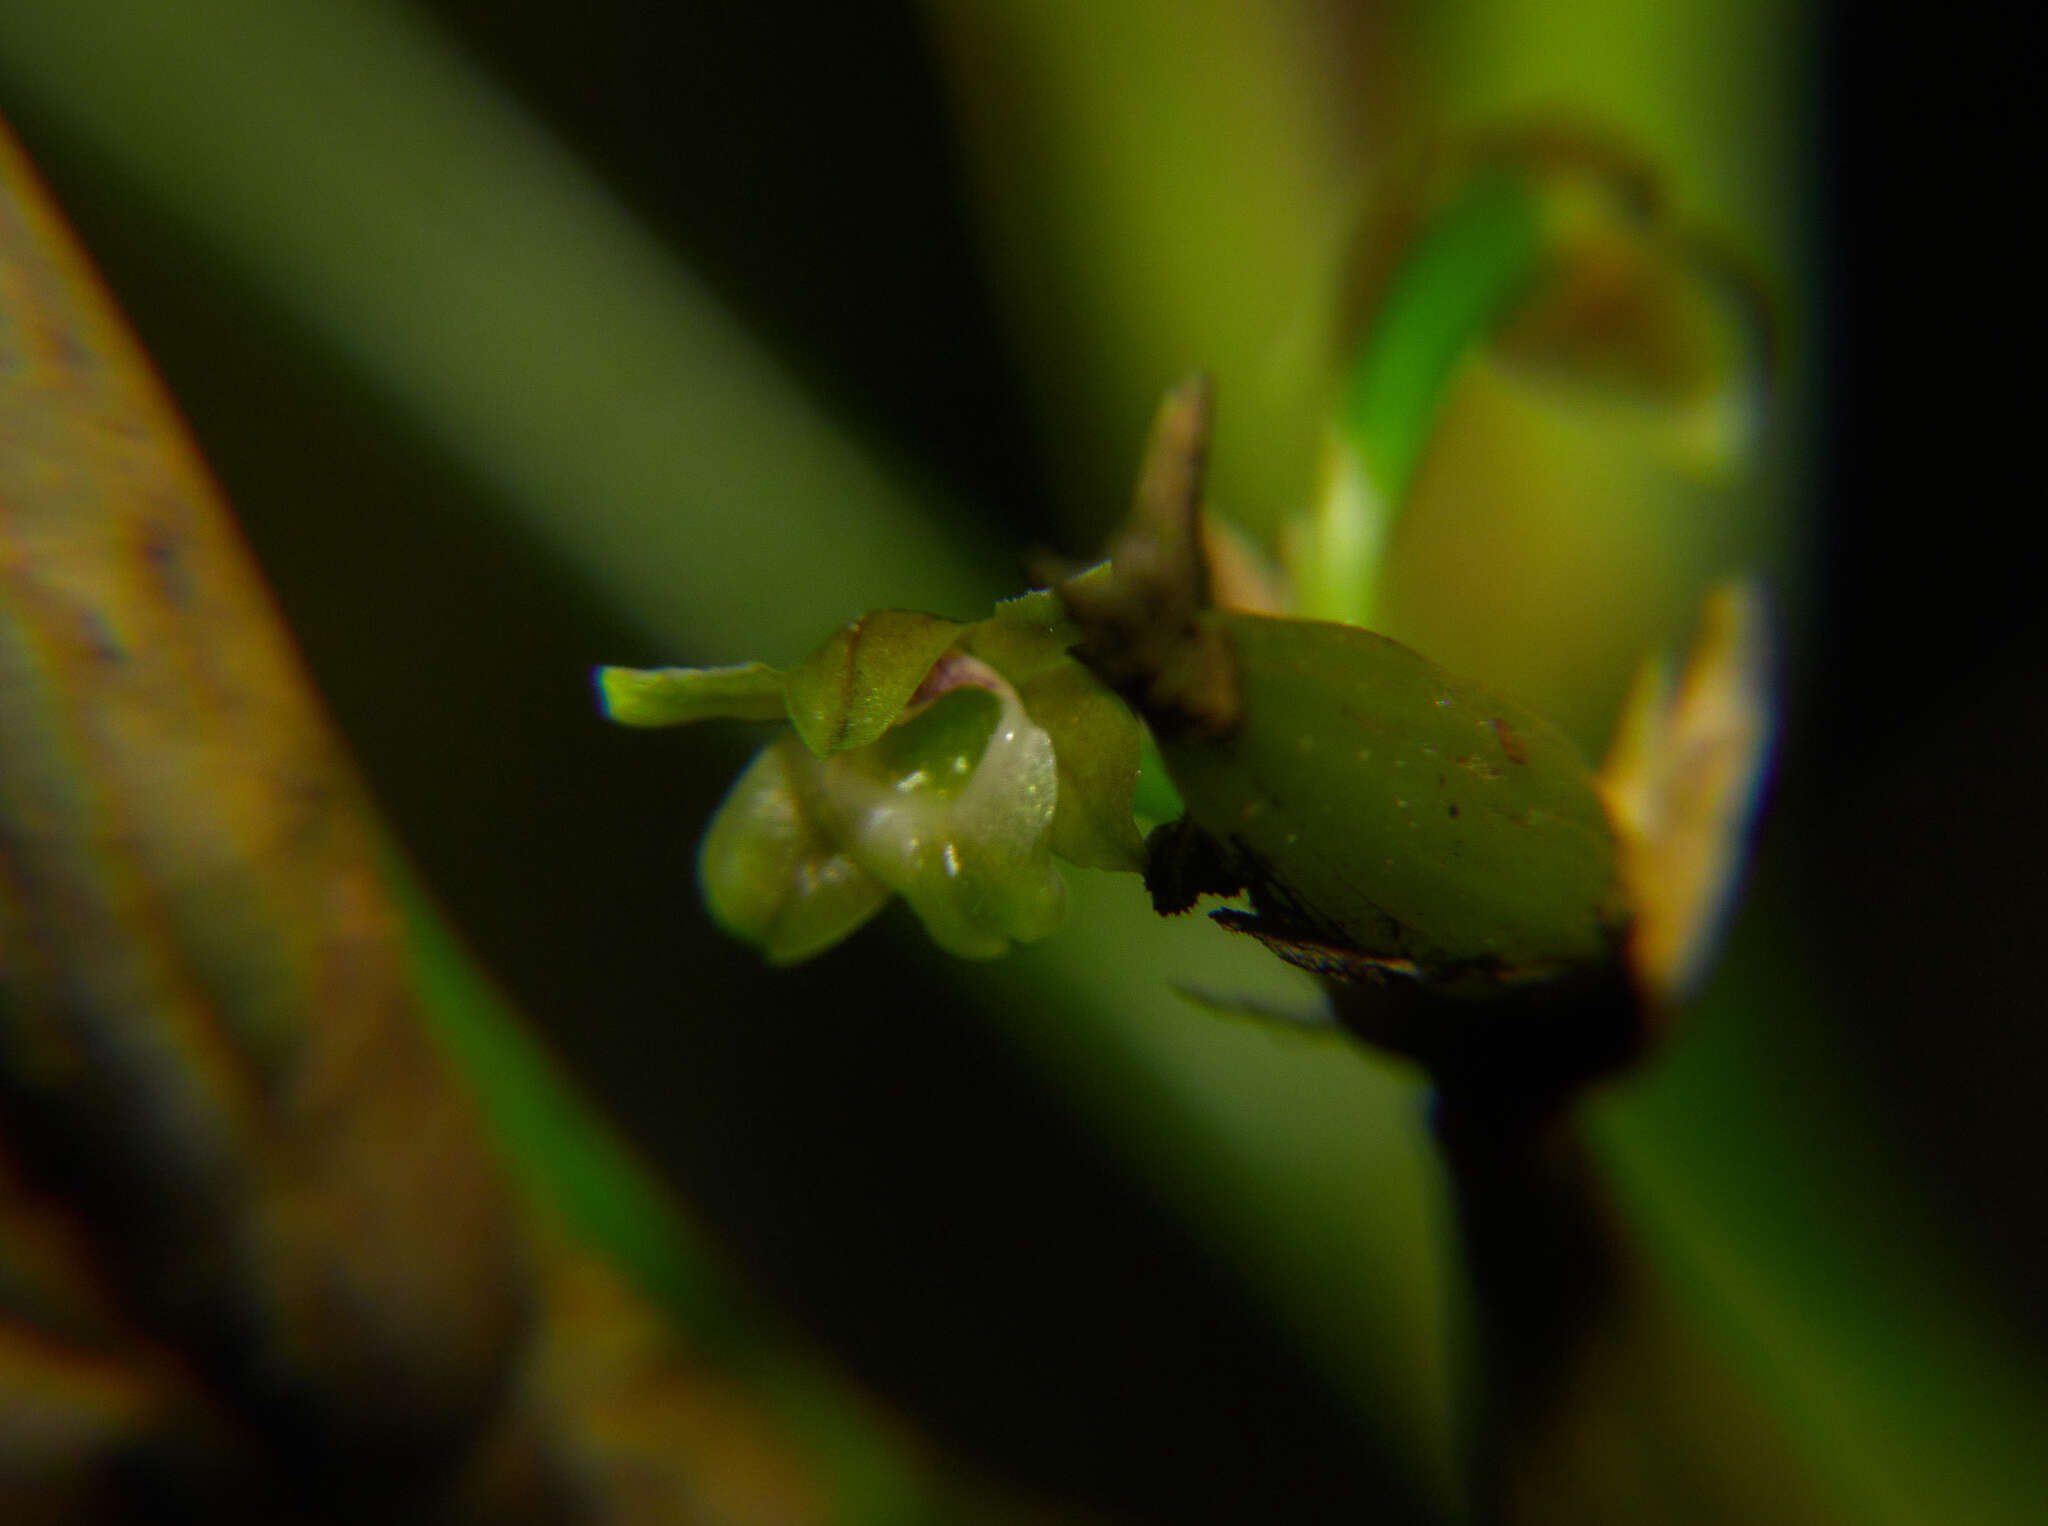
1144, 633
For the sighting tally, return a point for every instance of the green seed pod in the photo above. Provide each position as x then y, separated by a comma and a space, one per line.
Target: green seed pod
1374, 804
1469, 892
1408, 836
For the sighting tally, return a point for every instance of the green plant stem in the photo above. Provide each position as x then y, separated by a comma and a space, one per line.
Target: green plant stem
1598, 1402
1468, 264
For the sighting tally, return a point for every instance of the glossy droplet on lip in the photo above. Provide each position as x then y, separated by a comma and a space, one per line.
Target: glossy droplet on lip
969, 844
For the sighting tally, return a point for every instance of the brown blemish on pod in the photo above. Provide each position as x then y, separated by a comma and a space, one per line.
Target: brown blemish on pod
1510, 741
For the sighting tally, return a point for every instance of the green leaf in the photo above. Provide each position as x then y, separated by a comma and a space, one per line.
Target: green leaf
1464, 271
677, 696
1441, 300
1096, 740
857, 683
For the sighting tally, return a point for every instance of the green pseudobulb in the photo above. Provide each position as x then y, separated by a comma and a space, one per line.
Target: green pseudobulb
1375, 804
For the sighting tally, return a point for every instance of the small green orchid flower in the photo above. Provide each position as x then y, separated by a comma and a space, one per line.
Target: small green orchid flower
942, 762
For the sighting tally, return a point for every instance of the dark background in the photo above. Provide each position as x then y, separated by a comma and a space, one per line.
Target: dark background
1926, 710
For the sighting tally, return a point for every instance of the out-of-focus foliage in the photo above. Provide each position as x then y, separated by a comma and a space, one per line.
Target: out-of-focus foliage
258, 1257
